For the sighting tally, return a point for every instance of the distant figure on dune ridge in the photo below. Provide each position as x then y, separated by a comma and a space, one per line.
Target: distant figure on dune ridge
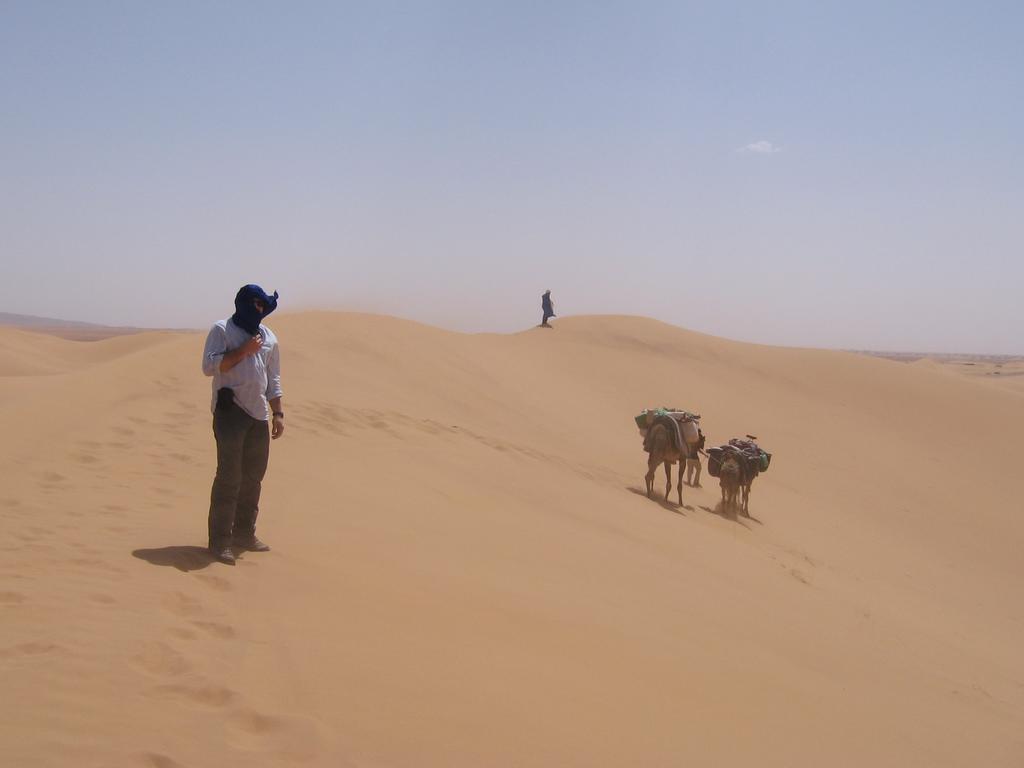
664, 447
242, 357
547, 307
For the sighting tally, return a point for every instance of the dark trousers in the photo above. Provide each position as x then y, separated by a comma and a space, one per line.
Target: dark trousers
243, 448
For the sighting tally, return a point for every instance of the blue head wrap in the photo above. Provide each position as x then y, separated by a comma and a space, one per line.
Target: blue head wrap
246, 315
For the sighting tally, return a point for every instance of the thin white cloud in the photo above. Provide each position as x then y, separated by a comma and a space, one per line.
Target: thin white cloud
760, 148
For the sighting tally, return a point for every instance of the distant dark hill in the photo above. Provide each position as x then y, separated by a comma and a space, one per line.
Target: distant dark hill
32, 321
68, 329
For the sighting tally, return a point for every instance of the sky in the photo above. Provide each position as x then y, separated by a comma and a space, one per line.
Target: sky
826, 174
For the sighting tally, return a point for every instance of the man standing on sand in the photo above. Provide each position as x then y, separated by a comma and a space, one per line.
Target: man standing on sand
242, 357
693, 460
547, 307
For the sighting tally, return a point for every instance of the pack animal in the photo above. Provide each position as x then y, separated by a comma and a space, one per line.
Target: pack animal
663, 448
730, 478
749, 470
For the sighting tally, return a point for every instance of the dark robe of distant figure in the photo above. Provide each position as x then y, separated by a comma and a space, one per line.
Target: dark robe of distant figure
547, 307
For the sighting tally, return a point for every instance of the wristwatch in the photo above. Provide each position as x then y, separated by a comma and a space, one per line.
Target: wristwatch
279, 414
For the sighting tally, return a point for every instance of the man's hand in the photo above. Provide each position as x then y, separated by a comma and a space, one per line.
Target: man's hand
237, 355
253, 345
277, 427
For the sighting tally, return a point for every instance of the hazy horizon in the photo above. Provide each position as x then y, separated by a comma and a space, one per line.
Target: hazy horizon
799, 174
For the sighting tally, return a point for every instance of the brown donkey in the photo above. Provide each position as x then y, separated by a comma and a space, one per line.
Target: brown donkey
729, 477
748, 474
661, 450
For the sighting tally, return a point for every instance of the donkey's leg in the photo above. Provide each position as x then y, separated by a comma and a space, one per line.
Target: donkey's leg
679, 485
649, 477
668, 480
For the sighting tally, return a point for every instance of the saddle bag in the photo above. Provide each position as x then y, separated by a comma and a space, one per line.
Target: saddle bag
715, 456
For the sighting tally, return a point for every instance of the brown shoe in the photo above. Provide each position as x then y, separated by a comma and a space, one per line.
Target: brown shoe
223, 554
251, 543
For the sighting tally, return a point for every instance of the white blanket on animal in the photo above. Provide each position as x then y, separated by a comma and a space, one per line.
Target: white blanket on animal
683, 435
688, 426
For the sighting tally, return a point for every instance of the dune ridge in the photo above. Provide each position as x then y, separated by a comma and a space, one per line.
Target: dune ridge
466, 571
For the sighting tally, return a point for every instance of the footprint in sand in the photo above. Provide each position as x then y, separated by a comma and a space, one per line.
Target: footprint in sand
216, 629
206, 695
159, 761
11, 598
251, 722
160, 659
799, 575
181, 604
52, 481
96, 564
292, 738
216, 583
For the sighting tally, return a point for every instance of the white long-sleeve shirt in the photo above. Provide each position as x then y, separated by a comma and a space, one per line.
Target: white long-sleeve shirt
255, 379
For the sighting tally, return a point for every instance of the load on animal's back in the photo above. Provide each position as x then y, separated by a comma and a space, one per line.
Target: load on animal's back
671, 429
682, 425
664, 433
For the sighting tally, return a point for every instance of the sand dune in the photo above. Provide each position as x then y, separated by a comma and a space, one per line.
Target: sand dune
466, 572
1009, 375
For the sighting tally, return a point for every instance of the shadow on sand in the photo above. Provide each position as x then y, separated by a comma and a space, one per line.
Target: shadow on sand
735, 517
659, 497
183, 558
671, 506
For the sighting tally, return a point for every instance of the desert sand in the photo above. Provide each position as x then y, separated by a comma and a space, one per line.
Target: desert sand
465, 570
